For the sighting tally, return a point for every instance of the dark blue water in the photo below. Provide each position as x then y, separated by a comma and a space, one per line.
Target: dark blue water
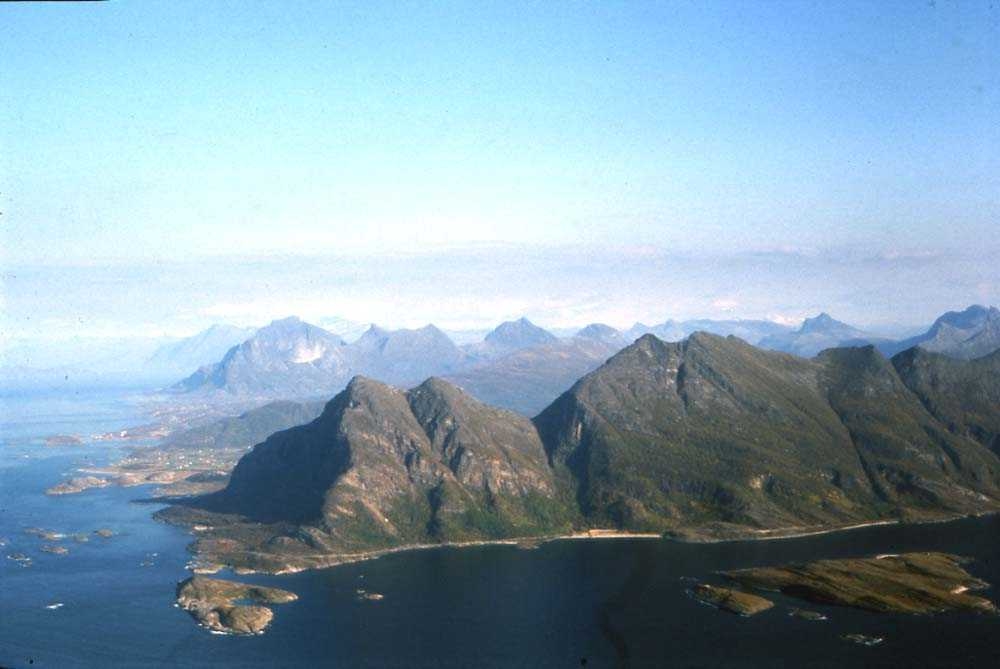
608, 603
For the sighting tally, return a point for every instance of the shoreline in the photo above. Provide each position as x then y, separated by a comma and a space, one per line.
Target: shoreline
327, 561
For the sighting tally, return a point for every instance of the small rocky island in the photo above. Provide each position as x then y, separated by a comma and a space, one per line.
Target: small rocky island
214, 604
727, 599
76, 485
916, 583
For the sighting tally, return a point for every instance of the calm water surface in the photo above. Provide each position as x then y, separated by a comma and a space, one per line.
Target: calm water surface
605, 603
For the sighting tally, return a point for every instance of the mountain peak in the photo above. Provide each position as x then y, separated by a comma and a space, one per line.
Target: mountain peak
521, 333
820, 323
602, 333
970, 317
596, 330
434, 330
373, 332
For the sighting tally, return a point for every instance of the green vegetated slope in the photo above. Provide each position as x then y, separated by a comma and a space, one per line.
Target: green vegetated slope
705, 438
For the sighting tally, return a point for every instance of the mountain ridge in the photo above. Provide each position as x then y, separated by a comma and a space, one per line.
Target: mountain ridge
706, 438
971, 333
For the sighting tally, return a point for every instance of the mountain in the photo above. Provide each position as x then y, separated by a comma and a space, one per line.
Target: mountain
526, 381
711, 433
288, 358
751, 331
816, 334
291, 359
964, 395
706, 438
603, 333
198, 350
971, 333
509, 337
382, 467
404, 356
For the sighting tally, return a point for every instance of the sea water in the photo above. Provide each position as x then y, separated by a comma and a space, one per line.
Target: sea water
565, 604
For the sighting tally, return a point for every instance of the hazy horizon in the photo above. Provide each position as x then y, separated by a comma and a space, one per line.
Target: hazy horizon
571, 164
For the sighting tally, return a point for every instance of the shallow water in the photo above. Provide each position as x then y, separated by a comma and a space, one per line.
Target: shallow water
608, 602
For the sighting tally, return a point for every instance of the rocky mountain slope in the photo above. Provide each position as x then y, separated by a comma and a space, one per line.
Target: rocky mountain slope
404, 357
383, 467
964, 395
279, 360
705, 438
967, 334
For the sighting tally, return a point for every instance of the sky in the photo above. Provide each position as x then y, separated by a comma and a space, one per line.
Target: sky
167, 165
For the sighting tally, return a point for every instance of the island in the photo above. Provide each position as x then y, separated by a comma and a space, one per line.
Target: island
47, 535
217, 604
915, 583
811, 616
78, 484
365, 596
727, 599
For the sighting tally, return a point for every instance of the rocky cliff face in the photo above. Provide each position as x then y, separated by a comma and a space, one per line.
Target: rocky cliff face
383, 467
278, 360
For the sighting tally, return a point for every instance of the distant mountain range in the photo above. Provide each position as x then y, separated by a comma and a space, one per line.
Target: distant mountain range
967, 334
706, 438
817, 334
526, 380
518, 365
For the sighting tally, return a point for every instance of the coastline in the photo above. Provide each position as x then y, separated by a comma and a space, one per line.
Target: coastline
205, 565
326, 561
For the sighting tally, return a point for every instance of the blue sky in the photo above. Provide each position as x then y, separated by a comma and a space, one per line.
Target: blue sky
147, 140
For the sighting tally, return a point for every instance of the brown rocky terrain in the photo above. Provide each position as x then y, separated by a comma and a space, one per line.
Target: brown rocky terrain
213, 603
